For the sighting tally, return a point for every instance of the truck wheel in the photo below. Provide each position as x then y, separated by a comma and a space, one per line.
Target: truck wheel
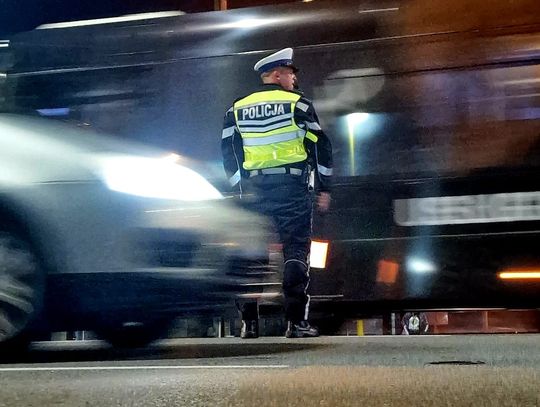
21, 290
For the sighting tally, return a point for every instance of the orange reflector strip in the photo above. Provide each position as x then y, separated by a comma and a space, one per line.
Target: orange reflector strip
387, 272
520, 275
318, 254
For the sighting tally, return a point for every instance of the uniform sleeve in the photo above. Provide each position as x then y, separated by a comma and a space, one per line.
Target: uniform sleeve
231, 148
317, 143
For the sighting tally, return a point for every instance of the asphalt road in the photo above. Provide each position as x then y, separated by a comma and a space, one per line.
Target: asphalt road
475, 370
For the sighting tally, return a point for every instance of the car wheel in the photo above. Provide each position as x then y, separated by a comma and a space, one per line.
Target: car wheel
21, 290
134, 334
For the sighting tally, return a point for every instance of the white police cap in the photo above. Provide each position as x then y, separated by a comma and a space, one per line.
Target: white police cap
281, 58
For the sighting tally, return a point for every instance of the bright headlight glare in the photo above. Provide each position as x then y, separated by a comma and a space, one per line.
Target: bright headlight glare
156, 178
421, 266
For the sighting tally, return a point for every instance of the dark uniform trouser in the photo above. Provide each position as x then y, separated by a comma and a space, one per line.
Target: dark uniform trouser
285, 198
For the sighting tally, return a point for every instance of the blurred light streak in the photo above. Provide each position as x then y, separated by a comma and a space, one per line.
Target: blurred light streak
111, 20
379, 10
516, 274
260, 295
54, 112
251, 23
352, 120
522, 81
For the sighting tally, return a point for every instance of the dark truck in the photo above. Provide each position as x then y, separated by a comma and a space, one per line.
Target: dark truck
432, 109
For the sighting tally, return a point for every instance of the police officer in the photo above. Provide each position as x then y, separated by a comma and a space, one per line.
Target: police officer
271, 142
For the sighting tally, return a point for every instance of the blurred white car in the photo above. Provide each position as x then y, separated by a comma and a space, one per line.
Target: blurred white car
100, 234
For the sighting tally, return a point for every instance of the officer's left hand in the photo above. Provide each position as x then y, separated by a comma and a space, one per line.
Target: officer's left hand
323, 201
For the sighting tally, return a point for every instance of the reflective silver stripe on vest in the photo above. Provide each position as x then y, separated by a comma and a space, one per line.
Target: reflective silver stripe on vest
313, 126
302, 106
263, 102
273, 171
263, 122
262, 141
235, 179
324, 170
266, 128
228, 132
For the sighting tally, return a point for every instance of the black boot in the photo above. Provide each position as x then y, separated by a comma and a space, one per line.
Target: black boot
301, 330
250, 329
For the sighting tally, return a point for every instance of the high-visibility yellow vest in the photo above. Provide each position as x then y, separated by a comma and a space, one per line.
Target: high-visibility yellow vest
270, 136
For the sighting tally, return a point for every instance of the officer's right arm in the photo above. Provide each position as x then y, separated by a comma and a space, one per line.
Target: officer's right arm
317, 143
319, 149
233, 154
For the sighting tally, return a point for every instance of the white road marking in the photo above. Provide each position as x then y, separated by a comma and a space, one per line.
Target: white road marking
64, 368
399, 336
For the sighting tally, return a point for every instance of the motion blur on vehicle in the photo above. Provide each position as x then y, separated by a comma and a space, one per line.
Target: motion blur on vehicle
433, 109
105, 235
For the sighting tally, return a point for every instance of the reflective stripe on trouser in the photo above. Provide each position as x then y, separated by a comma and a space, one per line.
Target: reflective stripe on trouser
295, 284
287, 201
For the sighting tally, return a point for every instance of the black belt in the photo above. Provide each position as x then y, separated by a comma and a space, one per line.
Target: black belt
272, 171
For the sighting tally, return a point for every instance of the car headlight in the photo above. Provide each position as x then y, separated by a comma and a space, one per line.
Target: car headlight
155, 178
